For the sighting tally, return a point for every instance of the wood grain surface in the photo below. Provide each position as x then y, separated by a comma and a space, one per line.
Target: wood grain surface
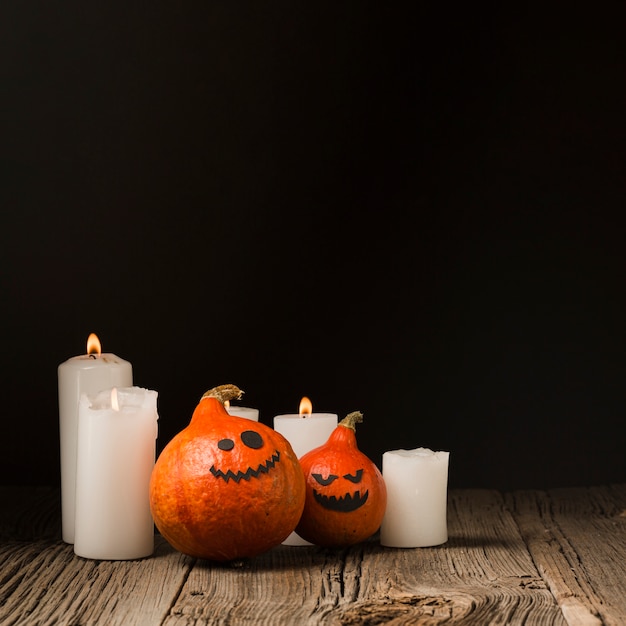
526, 557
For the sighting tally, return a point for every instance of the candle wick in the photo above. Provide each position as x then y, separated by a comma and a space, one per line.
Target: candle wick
92, 356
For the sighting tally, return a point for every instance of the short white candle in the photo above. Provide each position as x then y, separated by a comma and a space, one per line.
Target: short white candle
243, 411
417, 487
89, 373
117, 431
304, 431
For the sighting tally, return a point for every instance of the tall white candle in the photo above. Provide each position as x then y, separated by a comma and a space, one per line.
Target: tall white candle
243, 411
304, 431
417, 487
117, 431
89, 373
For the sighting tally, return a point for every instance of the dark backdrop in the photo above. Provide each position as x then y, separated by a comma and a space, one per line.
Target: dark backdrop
412, 214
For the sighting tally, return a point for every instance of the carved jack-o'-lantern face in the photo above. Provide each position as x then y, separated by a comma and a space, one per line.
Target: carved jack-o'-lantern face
250, 447
338, 501
345, 492
226, 487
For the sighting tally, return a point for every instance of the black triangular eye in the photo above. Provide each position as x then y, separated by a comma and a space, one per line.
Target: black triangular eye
324, 481
356, 478
252, 439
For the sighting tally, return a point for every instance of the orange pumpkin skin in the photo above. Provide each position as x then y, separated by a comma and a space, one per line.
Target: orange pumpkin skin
226, 487
346, 495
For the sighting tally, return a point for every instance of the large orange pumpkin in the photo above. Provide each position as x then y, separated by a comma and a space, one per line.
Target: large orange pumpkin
346, 495
226, 487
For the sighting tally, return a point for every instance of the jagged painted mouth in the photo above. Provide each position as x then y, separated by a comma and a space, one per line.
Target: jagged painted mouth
263, 468
345, 504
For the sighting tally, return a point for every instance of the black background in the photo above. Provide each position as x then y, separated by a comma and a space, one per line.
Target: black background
415, 214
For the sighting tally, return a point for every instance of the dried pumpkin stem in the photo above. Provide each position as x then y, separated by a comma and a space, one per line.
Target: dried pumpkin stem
224, 393
351, 420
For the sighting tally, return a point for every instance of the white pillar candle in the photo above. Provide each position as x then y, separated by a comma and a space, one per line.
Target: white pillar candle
243, 411
89, 373
304, 431
117, 431
417, 488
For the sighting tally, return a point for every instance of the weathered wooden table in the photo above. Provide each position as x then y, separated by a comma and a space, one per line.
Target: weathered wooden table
525, 557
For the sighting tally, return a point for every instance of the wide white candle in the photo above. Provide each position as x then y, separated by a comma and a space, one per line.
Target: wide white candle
304, 431
243, 411
89, 373
117, 431
417, 487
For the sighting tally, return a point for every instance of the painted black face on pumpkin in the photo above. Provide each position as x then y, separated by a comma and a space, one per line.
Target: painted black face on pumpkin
344, 503
253, 452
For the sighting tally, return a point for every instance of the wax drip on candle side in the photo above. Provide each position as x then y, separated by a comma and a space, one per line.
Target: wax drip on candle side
115, 405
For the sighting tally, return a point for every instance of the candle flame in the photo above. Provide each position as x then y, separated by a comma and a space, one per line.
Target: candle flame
93, 345
115, 405
306, 406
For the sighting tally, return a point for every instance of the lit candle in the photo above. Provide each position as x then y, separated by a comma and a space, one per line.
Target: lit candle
117, 431
89, 373
305, 431
417, 486
242, 411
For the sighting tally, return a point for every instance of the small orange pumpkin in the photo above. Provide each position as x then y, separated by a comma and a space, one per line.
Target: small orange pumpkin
226, 487
346, 495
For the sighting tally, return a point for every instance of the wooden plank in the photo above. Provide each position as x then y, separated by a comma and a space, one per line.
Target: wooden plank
530, 557
483, 575
45, 583
286, 585
577, 538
